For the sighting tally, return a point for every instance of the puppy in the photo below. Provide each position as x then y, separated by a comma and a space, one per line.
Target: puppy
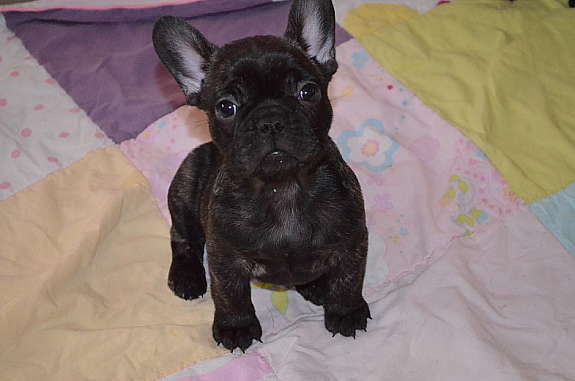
270, 196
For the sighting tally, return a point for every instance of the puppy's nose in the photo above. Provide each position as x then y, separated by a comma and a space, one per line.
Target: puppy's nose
267, 127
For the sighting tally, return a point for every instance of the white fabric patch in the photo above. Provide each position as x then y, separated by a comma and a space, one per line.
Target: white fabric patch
41, 128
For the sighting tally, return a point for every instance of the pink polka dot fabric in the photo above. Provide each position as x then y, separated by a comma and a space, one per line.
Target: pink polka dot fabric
42, 129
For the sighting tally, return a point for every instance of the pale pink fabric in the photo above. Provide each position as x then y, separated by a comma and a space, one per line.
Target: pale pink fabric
250, 367
498, 308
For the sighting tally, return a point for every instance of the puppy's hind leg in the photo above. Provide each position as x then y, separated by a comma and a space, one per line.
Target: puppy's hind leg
187, 277
315, 291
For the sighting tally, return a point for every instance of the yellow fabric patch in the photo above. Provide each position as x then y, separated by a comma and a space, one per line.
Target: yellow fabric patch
84, 260
368, 18
501, 72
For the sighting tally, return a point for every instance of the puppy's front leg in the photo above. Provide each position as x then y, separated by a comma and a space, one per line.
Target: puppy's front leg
187, 277
235, 322
345, 309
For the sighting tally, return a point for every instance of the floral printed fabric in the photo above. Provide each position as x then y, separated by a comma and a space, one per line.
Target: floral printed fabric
508, 91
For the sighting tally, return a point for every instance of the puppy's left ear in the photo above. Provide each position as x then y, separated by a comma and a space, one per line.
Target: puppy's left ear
311, 24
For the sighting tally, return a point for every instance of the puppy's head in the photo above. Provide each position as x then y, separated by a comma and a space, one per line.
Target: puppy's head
266, 97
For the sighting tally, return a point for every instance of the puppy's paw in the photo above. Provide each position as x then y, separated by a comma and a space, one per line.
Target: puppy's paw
187, 279
346, 323
238, 335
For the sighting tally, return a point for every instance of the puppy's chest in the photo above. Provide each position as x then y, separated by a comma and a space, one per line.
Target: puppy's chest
286, 220
280, 223
290, 248
287, 239
286, 224
287, 247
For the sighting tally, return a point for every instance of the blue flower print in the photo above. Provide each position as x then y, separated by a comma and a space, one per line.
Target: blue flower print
368, 146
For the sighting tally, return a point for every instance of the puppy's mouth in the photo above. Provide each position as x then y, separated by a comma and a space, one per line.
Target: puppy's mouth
277, 163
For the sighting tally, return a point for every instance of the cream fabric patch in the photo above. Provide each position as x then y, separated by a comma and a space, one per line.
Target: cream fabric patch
84, 258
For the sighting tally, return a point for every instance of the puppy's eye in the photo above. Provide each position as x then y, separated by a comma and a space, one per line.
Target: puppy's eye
226, 109
308, 92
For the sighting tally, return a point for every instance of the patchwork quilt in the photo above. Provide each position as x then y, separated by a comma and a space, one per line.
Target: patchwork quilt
455, 116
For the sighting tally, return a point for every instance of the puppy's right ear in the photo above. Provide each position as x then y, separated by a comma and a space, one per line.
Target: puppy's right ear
311, 24
185, 52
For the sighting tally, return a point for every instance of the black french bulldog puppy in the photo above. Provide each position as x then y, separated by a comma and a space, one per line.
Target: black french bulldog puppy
270, 197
